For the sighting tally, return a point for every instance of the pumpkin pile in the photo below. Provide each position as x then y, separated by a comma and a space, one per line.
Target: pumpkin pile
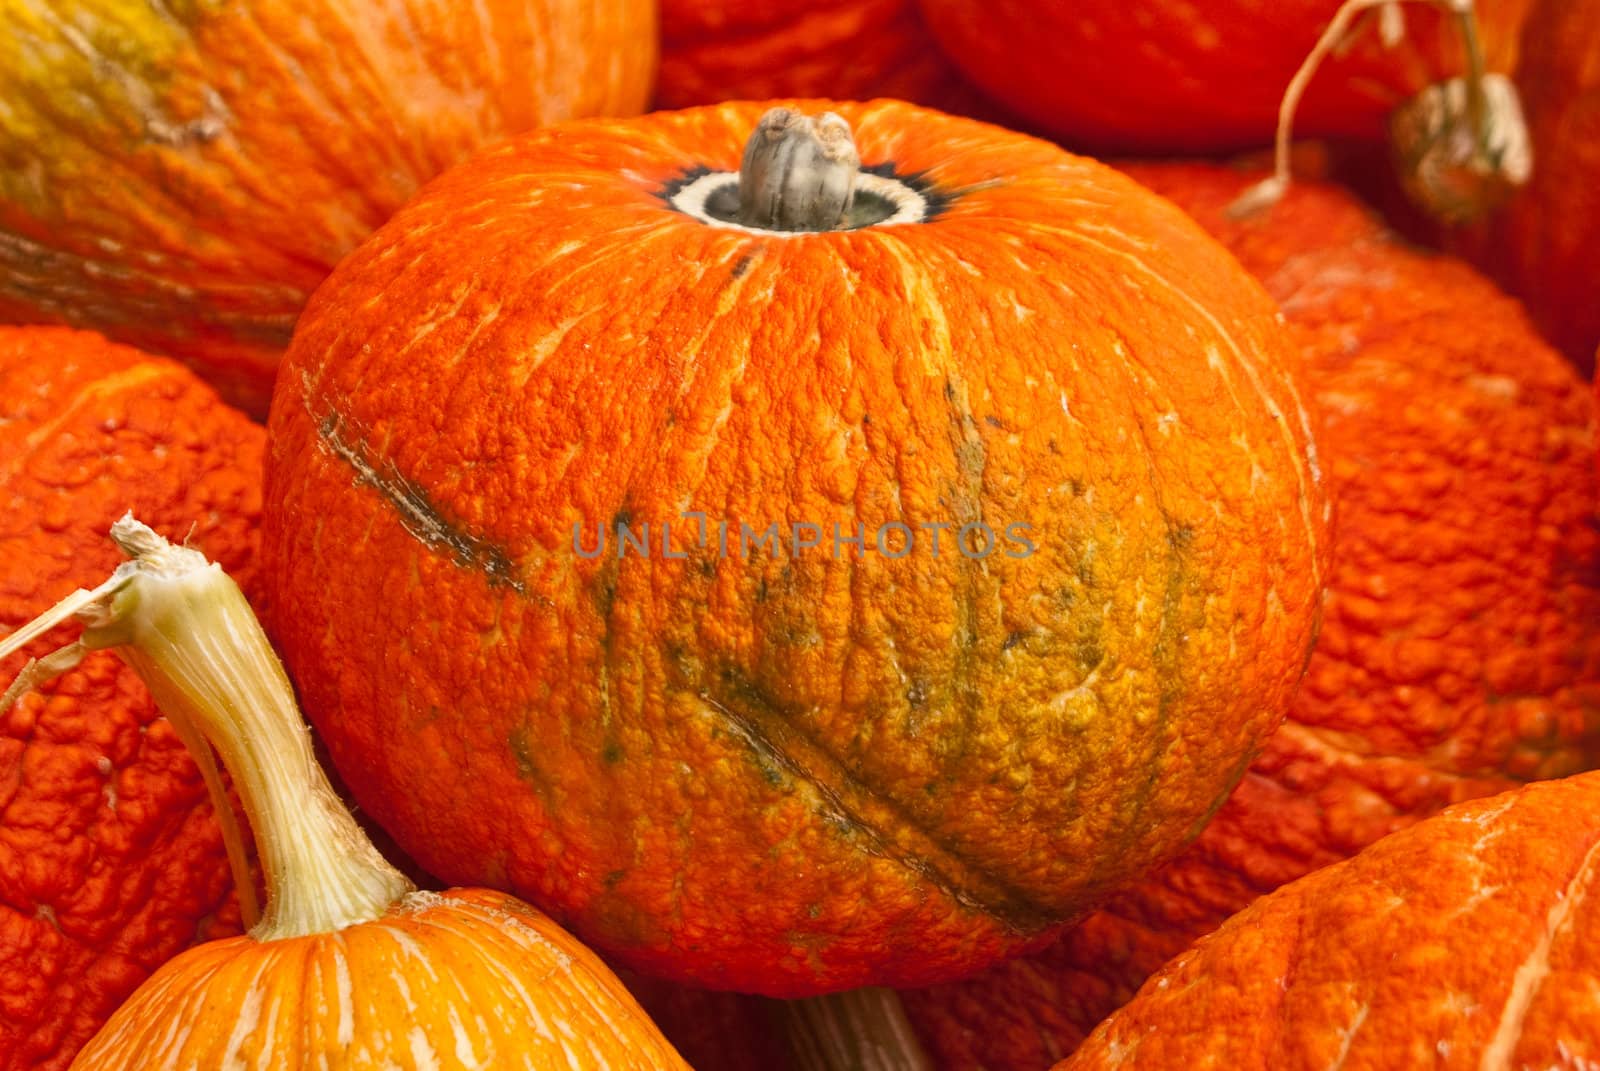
111, 859
821, 575
1449, 665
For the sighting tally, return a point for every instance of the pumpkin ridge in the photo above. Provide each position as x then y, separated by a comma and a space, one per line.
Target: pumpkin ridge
24, 262
348, 167
1524, 984
972, 460
1015, 908
1164, 654
1308, 473
96, 390
1324, 738
735, 32
1292, 958
1169, 633
418, 515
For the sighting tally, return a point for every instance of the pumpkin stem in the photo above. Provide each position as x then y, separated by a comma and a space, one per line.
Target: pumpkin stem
861, 1030
184, 626
798, 172
39, 671
1461, 144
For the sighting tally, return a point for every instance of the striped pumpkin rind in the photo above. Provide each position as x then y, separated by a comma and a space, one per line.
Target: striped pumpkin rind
457, 981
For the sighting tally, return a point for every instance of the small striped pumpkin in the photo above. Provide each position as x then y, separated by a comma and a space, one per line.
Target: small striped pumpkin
349, 966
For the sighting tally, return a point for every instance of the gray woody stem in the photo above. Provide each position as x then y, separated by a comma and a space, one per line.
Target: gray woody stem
798, 172
862, 1030
1463, 143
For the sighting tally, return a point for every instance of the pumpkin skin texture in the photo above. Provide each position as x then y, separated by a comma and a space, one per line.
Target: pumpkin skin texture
110, 858
1542, 246
797, 773
1199, 77
1458, 655
436, 965
182, 176
718, 50
1470, 940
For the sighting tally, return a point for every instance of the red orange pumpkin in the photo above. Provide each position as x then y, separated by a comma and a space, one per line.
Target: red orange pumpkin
1203, 76
735, 758
182, 176
717, 50
1470, 940
1542, 246
1458, 654
110, 858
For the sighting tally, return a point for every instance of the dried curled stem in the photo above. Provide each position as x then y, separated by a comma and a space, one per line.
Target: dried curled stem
184, 626
1461, 143
863, 1029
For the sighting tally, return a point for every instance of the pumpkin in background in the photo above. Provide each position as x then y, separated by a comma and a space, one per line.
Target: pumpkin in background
1543, 244
182, 176
1470, 940
1201, 76
718, 50
110, 858
1458, 654
762, 765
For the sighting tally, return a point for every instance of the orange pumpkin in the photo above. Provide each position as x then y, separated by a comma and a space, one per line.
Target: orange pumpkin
717, 50
741, 748
1542, 245
110, 858
1470, 940
1458, 654
1204, 76
349, 965
182, 176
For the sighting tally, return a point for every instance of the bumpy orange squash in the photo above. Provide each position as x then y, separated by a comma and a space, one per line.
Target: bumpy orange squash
1470, 940
182, 175
1458, 654
110, 857
790, 744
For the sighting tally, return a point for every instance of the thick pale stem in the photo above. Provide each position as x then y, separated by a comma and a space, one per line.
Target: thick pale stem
862, 1030
798, 173
1466, 131
186, 629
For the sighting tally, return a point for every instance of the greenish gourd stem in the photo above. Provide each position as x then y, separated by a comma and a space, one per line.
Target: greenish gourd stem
798, 172
184, 626
860, 1030
1270, 190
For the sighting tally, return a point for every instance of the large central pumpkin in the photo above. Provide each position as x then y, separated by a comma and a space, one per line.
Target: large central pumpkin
771, 765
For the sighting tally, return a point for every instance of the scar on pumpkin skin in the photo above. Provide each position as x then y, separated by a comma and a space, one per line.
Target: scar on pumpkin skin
417, 513
1015, 909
